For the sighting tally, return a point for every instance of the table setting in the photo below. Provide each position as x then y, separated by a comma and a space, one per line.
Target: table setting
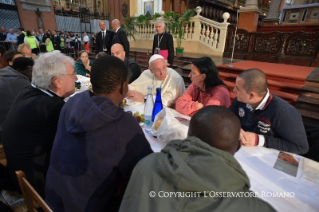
288, 182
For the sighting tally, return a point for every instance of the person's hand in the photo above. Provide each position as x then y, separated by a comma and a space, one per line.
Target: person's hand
135, 96
247, 138
242, 136
199, 105
88, 67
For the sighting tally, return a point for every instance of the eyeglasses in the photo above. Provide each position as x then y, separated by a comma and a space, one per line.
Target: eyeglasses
73, 74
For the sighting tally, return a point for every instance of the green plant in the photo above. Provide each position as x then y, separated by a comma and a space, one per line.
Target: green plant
129, 27
143, 19
155, 16
177, 22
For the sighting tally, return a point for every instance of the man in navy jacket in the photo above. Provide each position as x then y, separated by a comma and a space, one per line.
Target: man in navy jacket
266, 119
96, 146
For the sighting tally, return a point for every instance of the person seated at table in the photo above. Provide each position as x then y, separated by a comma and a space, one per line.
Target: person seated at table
30, 125
203, 162
13, 80
100, 54
266, 119
8, 58
97, 144
117, 50
206, 88
158, 75
83, 66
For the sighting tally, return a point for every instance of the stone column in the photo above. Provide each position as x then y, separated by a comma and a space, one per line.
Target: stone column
248, 17
272, 18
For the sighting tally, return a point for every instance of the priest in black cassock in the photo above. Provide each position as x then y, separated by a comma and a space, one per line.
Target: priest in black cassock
163, 43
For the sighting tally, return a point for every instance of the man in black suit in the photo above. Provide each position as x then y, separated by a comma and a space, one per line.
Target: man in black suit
30, 126
56, 40
163, 43
21, 36
120, 37
104, 39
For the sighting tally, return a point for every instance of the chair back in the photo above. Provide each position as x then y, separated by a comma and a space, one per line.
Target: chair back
32, 199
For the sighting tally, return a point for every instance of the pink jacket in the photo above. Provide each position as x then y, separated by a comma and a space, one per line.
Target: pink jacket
187, 104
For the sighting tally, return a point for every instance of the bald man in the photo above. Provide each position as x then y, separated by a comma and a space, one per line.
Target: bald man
117, 50
266, 119
104, 39
120, 36
186, 169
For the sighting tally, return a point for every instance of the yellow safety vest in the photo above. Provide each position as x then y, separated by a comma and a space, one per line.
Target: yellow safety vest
31, 41
50, 47
62, 42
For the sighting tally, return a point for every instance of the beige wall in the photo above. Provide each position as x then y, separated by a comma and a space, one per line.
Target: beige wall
133, 7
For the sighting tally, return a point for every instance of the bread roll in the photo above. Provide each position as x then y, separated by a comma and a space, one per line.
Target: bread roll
158, 123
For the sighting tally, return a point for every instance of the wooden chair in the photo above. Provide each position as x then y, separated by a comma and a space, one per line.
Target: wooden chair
32, 199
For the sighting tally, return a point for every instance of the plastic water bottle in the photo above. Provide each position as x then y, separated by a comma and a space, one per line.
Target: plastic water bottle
158, 106
148, 109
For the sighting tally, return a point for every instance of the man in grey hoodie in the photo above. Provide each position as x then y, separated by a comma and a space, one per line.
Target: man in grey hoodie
96, 146
191, 174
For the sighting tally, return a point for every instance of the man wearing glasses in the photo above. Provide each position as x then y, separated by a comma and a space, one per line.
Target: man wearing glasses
31, 124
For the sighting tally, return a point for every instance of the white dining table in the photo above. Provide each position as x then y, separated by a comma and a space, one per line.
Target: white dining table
266, 181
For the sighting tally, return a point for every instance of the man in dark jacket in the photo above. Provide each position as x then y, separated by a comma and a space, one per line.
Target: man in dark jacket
120, 37
13, 80
96, 146
117, 50
30, 126
186, 172
104, 39
266, 119
56, 40
21, 35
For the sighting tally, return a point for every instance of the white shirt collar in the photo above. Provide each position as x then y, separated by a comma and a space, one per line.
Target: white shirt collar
104, 31
117, 29
44, 91
261, 104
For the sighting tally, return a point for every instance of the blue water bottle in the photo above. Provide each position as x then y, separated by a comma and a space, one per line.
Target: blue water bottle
158, 106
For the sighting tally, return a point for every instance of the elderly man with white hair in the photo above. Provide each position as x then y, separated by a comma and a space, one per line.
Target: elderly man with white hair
158, 75
120, 37
163, 43
30, 126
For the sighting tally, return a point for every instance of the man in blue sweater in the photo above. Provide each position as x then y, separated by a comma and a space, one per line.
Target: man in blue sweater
266, 119
96, 146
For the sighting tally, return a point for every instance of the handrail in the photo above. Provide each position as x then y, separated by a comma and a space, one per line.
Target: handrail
206, 31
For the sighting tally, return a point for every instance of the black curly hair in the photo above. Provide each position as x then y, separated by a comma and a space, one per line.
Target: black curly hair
107, 72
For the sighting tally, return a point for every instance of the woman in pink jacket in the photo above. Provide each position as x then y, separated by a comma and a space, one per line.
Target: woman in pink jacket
206, 88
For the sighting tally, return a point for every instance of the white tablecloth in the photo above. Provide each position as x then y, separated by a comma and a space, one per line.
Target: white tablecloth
258, 162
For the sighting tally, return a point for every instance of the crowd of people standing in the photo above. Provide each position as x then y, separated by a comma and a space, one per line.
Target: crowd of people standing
45, 41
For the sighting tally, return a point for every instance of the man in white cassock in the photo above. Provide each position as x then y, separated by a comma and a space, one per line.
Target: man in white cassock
158, 75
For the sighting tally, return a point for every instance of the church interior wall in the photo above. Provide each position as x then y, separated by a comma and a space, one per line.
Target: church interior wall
28, 18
